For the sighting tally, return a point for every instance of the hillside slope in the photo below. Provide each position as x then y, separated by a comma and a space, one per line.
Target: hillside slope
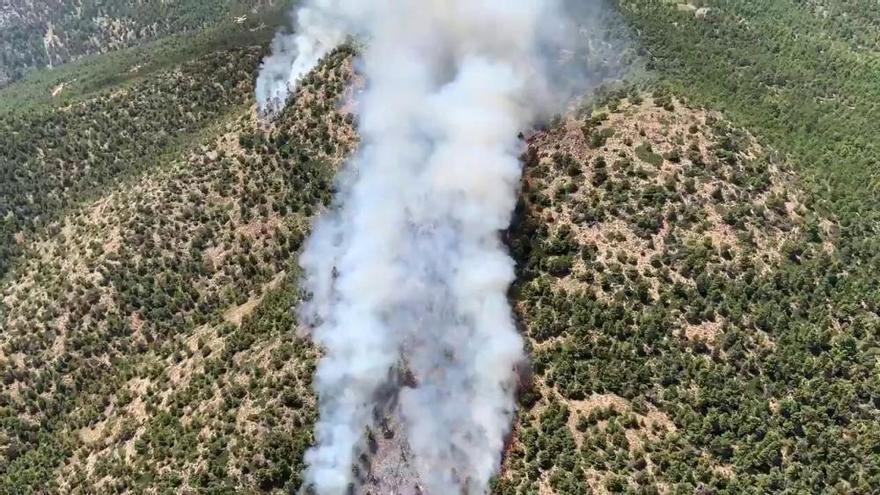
696, 263
48, 33
147, 340
681, 302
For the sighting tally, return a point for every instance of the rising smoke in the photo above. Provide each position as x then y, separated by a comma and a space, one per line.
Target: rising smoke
408, 264
317, 30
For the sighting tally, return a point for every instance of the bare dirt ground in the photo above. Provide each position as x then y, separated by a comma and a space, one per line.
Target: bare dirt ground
385, 465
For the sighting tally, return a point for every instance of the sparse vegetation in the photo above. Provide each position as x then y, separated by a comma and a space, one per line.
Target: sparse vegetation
697, 257
688, 348
47, 34
762, 372
148, 341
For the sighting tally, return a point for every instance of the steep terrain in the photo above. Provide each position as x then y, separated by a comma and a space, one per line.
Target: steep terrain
54, 156
697, 261
48, 33
147, 335
679, 297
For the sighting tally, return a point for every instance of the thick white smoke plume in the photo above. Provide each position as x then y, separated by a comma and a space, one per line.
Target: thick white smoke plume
409, 264
316, 32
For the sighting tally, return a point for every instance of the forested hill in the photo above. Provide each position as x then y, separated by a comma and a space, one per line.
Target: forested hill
803, 73
697, 254
769, 381
150, 226
48, 33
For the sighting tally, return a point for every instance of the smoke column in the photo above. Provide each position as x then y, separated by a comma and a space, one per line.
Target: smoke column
317, 32
408, 264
